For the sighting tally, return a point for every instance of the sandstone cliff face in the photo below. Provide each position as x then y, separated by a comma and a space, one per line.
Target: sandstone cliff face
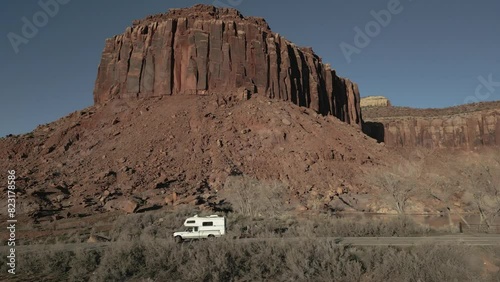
205, 50
460, 128
375, 101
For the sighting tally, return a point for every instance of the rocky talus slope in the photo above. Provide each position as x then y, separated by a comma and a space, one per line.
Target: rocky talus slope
167, 151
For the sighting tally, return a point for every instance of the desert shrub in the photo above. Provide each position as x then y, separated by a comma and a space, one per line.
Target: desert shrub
261, 260
130, 227
51, 260
122, 261
323, 226
347, 227
277, 260
3, 266
240, 226
153, 225
420, 263
83, 264
321, 261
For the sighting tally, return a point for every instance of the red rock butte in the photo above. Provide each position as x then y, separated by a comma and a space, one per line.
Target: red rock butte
204, 50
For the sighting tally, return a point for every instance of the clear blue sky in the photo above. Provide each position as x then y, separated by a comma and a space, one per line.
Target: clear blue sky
430, 55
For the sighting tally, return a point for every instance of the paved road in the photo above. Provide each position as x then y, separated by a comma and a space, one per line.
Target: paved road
410, 241
469, 240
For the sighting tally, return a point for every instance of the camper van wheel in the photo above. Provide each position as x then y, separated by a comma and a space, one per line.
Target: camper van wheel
211, 236
178, 239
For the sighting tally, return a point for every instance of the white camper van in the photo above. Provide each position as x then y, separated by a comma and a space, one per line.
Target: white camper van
202, 227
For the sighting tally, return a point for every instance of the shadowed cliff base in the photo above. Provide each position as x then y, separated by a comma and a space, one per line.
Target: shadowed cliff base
375, 130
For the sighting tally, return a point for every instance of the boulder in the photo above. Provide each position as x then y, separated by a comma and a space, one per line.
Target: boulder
127, 206
97, 239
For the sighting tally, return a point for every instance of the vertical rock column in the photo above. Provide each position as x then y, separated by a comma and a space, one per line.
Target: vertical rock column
204, 50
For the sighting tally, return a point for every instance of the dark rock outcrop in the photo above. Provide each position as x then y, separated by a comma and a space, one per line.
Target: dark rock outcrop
205, 50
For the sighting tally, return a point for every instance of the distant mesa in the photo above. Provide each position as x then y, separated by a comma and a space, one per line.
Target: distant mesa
463, 127
204, 50
375, 101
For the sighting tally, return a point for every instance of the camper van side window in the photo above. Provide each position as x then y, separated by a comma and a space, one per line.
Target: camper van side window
190, 221
208, 223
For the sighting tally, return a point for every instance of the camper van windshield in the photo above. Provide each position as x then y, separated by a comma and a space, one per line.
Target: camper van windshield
190, 229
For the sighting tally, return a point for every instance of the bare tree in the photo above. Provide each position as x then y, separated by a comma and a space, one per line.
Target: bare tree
400, 182
483, 181
254, 198
394, 185
445, 190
